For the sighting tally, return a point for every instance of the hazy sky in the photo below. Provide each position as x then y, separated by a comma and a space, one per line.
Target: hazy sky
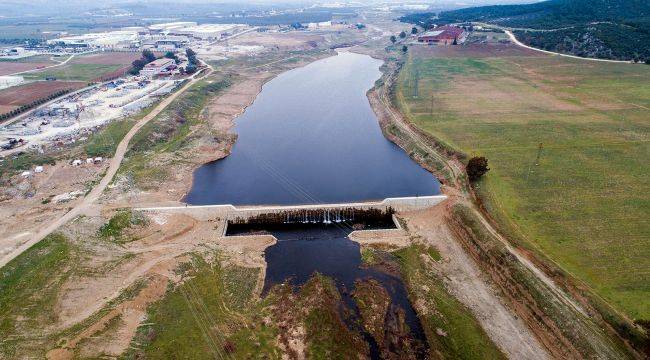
20, 8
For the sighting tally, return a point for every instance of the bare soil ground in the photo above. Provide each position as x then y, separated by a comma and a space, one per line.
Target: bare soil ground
107, 58
25, 94
466, 282
150, 261
7, 108
280, 41
10, 67
33, 201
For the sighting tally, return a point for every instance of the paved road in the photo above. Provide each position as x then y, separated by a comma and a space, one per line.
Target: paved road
114, 165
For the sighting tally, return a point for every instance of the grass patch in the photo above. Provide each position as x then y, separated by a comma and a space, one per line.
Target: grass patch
465, 339
211, 314
29, 285
117, 225
327, 335
369, 256
74, 72
580, 198
433, 253
24, 161
104, 143
169, 132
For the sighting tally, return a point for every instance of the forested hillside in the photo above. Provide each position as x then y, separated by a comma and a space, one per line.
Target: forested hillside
612, 29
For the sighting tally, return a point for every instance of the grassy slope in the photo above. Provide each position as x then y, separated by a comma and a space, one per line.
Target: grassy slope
212, 314
586, 205
169, 132
465, 338
29, 285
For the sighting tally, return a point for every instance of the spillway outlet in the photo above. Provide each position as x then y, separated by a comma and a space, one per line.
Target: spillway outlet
349, 218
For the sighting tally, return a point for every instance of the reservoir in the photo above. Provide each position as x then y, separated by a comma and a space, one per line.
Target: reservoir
311, 137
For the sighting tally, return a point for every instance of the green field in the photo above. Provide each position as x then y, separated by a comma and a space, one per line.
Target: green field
211, 315
74, 72
567, 142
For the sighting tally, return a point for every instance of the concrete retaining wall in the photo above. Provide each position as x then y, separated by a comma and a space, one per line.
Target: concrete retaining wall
205, 212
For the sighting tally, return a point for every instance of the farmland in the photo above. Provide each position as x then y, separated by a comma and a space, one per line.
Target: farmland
11, 67
91, 67
567, 145
17, 96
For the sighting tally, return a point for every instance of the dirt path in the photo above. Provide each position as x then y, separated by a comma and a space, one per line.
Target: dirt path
114, 165
47, 67
465, 281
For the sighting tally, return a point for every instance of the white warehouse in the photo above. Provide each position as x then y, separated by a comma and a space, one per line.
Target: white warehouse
157, 67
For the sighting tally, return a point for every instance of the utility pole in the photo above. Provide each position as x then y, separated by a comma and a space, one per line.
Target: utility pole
415, 83
539, 154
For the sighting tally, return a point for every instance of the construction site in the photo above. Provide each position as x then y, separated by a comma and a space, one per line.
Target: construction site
78, 115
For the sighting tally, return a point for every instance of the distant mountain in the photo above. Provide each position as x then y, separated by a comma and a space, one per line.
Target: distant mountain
613, 29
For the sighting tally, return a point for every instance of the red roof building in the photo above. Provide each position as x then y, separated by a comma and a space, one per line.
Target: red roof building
443, 35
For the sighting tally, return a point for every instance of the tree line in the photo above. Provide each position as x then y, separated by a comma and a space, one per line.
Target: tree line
33, 104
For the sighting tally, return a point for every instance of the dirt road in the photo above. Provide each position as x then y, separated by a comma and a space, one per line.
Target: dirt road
114, 165
519, 43
47, 67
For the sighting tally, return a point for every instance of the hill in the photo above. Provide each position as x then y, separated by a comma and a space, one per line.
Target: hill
610, 29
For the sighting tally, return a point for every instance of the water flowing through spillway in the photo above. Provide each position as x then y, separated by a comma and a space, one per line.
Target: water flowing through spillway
311, 137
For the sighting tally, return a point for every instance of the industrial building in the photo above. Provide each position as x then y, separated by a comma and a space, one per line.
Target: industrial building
444, 35
158, 67
193, 30
123, 39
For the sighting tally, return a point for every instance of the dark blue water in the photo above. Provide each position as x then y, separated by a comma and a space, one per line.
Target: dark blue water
326, 249
311, 137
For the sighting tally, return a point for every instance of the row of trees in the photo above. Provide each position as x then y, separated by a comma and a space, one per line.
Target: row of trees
192, 61
33, 104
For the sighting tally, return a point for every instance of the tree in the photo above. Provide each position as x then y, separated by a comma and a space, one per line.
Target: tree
414, 30
393, 39
190, 69
191, 57
137, 65
402, 35
476, 167
405, 49
148, 56
171, 55
455, 41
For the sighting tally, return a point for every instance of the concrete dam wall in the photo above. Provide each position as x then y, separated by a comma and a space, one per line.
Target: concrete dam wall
301, 213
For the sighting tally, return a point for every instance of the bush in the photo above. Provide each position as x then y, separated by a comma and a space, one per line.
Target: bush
476, 167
